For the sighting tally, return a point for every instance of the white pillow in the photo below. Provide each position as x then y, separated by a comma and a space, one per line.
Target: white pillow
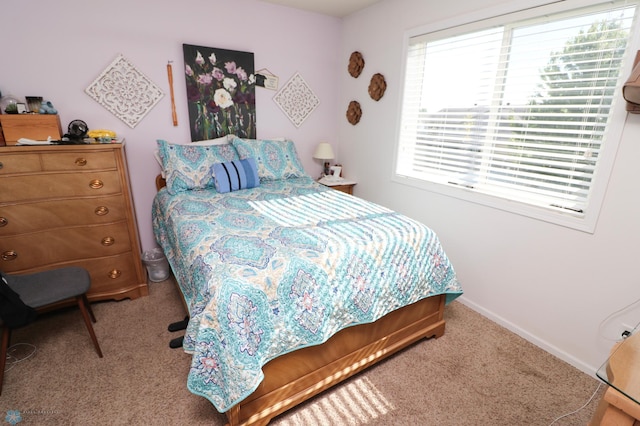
217, 141
156, 155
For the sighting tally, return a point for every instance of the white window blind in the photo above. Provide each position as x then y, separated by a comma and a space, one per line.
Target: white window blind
518, 111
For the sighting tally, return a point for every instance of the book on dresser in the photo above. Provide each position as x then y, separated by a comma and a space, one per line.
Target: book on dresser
71, 205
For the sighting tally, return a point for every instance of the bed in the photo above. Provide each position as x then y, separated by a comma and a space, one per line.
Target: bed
291, 287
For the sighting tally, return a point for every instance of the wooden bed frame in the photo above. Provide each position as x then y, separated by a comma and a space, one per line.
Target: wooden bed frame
297, 376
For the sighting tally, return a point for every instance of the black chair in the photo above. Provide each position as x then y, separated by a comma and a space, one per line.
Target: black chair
42, 291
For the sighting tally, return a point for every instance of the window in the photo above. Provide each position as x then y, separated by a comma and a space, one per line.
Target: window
519, 111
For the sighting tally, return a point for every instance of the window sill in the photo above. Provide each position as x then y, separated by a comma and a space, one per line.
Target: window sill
584, 222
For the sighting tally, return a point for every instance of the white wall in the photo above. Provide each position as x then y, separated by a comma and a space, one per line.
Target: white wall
56, 49
554, 286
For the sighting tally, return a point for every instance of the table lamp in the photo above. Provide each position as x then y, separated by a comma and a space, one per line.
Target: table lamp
324, 152
631, 88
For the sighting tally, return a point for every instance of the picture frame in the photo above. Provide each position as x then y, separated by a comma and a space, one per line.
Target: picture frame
21, 108
220, 87
296, 100
34, 103
125, 91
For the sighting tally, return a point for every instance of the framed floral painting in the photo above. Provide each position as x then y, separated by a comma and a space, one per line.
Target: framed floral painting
220, 92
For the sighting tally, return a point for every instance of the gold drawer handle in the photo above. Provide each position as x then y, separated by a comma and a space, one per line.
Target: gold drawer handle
96, 184
101, 210
3, 221
115, 273
9, 255
81, 161
108, 241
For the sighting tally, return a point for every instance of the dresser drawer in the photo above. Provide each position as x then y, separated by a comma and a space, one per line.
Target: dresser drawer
39, 216
56, 161
19, 163
109, 273
64, 161
59, 185
62, 245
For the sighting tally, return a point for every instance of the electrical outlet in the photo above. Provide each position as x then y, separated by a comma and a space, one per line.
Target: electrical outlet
625, 330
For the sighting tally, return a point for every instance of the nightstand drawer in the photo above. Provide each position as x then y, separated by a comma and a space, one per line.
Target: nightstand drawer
342, 185
347, 189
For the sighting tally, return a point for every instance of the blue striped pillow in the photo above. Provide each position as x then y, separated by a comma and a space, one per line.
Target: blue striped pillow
235, 175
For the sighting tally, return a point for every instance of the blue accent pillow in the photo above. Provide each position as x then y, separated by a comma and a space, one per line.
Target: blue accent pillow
188, 167
235, 175
276, 159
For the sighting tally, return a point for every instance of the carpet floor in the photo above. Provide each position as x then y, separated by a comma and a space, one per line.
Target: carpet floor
478, 373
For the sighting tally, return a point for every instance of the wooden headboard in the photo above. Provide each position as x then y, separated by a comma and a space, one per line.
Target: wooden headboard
160, 182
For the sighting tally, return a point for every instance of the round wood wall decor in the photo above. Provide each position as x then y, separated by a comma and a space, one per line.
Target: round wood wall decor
377, 87
356, 64
354, 112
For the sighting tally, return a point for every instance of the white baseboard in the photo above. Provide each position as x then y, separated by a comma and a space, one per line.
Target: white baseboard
587, 369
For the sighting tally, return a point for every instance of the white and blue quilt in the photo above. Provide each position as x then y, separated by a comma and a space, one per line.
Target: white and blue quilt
286, 265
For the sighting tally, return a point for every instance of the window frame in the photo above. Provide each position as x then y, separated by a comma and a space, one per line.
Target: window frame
508, 14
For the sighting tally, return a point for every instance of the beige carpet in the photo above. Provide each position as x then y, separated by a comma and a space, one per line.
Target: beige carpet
478, 373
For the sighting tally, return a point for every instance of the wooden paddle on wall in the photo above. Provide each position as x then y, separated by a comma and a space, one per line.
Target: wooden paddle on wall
174, 115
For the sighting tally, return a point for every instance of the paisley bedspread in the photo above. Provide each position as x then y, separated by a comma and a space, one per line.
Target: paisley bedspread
283, 266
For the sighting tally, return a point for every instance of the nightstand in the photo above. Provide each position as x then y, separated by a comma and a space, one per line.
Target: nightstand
620, 404
345, 186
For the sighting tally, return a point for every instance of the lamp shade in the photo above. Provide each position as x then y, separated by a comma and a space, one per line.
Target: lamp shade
631, 89
323, 151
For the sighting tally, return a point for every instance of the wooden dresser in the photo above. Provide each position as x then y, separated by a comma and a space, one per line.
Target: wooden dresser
71, 205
